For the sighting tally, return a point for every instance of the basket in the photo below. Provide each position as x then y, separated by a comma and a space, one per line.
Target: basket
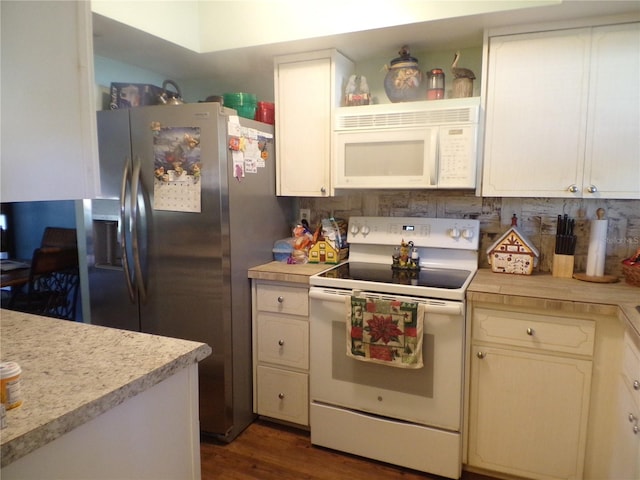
631, 274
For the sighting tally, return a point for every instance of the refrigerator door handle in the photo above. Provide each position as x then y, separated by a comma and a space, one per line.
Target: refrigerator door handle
126, 179
135, 240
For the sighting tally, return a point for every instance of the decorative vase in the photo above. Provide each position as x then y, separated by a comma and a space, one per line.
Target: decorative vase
403, 82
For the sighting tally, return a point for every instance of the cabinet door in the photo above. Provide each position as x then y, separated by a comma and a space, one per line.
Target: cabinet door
612, 167
49, 139
528, 413
303, 127
283, 394
536, 114
283, 340
625, 448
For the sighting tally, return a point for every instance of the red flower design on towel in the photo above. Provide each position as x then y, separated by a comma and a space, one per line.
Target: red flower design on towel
410, 331
382, 328
356, 332
380, 353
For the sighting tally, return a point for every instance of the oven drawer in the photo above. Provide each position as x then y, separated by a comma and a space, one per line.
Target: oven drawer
283, 395
283, 340
282, 299
548, 332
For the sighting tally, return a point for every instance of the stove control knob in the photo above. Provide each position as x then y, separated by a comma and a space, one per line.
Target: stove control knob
454, 233
467, 233
365, 230
355, 229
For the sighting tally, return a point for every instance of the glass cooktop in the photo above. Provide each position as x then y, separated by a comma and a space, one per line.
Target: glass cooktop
425, 277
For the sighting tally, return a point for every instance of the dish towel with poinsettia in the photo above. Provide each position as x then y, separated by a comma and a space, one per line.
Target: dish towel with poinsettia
388, 332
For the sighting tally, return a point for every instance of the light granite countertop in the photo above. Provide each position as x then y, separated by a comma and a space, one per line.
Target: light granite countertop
537, 290
569, 294
284, 272
73, 372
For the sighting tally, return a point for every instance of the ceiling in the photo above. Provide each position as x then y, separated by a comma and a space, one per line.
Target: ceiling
125, 44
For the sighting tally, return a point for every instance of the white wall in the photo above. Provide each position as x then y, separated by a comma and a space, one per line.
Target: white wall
216, 25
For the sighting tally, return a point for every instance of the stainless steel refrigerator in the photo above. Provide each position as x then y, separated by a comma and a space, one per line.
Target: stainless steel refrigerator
188, 206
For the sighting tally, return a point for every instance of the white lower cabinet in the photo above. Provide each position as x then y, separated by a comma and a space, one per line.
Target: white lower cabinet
281, 351
625, 451
529, 393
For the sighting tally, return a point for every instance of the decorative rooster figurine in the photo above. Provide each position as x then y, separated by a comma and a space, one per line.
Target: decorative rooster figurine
459, 72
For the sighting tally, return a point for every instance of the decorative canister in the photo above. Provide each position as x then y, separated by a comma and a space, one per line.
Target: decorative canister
403, 82
10, 388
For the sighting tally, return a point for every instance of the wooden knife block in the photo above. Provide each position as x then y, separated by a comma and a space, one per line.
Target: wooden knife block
562, 266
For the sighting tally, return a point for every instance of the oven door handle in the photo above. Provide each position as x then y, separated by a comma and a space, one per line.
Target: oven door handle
431, 306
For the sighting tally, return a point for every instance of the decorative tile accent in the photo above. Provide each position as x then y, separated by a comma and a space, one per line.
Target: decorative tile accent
536, 218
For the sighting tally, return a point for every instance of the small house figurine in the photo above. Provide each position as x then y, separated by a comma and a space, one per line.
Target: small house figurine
324, 252
512, 253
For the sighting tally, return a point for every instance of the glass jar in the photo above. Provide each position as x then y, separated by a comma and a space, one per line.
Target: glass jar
435, 84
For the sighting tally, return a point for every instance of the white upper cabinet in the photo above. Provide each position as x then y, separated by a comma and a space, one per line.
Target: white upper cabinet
612, 157
562, 114
49, 140
308, 87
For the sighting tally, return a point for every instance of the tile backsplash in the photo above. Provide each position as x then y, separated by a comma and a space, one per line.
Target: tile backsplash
537, 218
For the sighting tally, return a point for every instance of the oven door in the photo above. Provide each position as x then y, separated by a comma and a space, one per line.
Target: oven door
430, 396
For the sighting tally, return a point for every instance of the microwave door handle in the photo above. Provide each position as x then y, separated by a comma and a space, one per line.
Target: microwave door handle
433, 154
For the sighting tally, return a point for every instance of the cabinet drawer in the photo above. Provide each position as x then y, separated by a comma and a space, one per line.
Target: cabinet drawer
631, 366
283, 395
544, 332
283, 340
282, 299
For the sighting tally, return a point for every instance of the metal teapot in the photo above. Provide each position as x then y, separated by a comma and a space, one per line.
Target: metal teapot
170, 98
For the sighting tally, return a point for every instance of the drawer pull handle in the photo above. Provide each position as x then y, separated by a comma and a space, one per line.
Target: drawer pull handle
530, 331
280, 299
481, 355
281, 396
281, 342
636, 385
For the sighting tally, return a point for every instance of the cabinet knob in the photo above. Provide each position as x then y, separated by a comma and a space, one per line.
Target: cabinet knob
635, 429
573, 188
281, 396
632, 418
530, 331
280, 299
592, 189
323, 190
636, 385
281, 342
481, 355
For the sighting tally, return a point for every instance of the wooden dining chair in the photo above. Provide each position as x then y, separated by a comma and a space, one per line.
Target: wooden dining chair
53, 286
59, 237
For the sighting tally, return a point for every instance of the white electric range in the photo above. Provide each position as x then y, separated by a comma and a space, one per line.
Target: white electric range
407, 417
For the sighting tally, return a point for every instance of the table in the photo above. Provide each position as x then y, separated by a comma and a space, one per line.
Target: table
15, 278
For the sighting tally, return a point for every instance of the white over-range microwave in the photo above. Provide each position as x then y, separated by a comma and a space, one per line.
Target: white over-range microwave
429, 144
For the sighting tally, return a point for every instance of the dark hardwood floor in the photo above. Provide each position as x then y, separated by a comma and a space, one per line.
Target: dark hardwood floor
266, 451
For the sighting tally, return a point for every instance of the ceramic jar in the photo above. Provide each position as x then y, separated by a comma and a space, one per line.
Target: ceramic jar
403, 81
